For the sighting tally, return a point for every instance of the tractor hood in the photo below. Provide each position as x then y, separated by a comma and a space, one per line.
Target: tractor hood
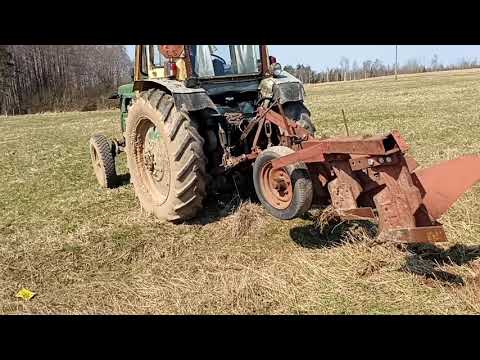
285, 88
238, 86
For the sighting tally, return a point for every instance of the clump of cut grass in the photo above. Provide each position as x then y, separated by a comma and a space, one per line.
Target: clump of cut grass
331, 226
246, 219
326, 218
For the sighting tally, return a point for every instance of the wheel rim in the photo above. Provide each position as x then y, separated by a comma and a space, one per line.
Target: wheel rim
276, 186
97, 164
152, 160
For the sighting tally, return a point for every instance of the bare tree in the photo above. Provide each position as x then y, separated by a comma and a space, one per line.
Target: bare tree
366, 66
344, 65
434, 64
48, 77
354, 69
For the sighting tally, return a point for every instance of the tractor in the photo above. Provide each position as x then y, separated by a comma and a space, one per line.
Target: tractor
200, 120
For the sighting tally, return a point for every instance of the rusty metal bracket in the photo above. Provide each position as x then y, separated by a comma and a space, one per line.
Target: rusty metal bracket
365, 162
257, 134
402, 144
357, 214
290, 126
314, 150
249, 128
286, 124
427, 234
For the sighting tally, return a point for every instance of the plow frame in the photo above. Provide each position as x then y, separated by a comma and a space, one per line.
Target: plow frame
370, 177
365, 178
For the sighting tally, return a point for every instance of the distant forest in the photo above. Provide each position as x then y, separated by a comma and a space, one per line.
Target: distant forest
39, 78
368, 69
36, 78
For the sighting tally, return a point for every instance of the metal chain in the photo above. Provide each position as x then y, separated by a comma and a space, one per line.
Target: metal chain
268, 132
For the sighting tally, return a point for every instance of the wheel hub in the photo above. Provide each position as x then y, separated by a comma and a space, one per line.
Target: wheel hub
155, 169
153, 155
155, 161
277, 187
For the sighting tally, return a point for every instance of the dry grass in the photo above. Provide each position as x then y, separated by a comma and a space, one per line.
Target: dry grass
86, 250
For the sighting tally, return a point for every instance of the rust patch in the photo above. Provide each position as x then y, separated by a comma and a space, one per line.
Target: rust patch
427, 234
357, 214
172, 51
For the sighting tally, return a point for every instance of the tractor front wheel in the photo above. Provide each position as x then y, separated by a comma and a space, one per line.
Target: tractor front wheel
103, 161
287, 192
165, 157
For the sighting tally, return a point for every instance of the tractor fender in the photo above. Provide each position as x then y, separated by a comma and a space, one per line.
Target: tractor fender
285, 88
185, 99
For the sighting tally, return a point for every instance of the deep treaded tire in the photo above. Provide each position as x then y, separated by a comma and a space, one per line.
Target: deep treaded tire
103, 161
165, 157
297, 199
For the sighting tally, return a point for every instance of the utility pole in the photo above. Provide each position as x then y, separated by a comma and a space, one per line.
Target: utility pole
396, 60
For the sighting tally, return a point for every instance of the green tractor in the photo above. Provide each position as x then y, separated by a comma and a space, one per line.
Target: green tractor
190, 125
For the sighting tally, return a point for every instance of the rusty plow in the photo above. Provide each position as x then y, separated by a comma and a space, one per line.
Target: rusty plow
373, 178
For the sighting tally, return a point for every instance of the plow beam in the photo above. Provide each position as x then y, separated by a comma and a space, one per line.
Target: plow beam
442, 184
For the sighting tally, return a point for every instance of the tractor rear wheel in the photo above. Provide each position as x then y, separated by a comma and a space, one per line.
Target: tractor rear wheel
287, 192
165, 157
297, 111
103, 161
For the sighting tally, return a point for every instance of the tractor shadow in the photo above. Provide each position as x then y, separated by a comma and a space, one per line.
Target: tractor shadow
335, 233
425, 260
122, 180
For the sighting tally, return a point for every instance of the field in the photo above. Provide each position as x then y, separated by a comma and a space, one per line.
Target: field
86, 250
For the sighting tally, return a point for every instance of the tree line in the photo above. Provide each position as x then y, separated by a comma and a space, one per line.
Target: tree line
368, 69
35, 78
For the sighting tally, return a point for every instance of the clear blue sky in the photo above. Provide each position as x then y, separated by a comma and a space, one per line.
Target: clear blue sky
320, 57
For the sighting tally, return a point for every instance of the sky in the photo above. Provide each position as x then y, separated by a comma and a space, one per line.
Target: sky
320, 57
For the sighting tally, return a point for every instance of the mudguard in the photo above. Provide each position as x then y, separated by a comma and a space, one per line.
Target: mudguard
285, 88
185, 99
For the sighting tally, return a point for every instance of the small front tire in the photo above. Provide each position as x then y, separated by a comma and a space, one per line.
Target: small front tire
103, 161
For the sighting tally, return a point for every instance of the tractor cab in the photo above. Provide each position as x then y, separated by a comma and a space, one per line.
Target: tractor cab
219, 78
216, 79
201, 62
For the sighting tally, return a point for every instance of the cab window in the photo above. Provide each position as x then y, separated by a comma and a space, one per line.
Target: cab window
225, 60
156, 58
143, 55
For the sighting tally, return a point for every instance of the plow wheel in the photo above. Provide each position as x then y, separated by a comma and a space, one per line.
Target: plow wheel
287, 192
165, 157
103, 161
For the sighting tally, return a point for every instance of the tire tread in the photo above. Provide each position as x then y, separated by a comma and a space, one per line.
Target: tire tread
187, 160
